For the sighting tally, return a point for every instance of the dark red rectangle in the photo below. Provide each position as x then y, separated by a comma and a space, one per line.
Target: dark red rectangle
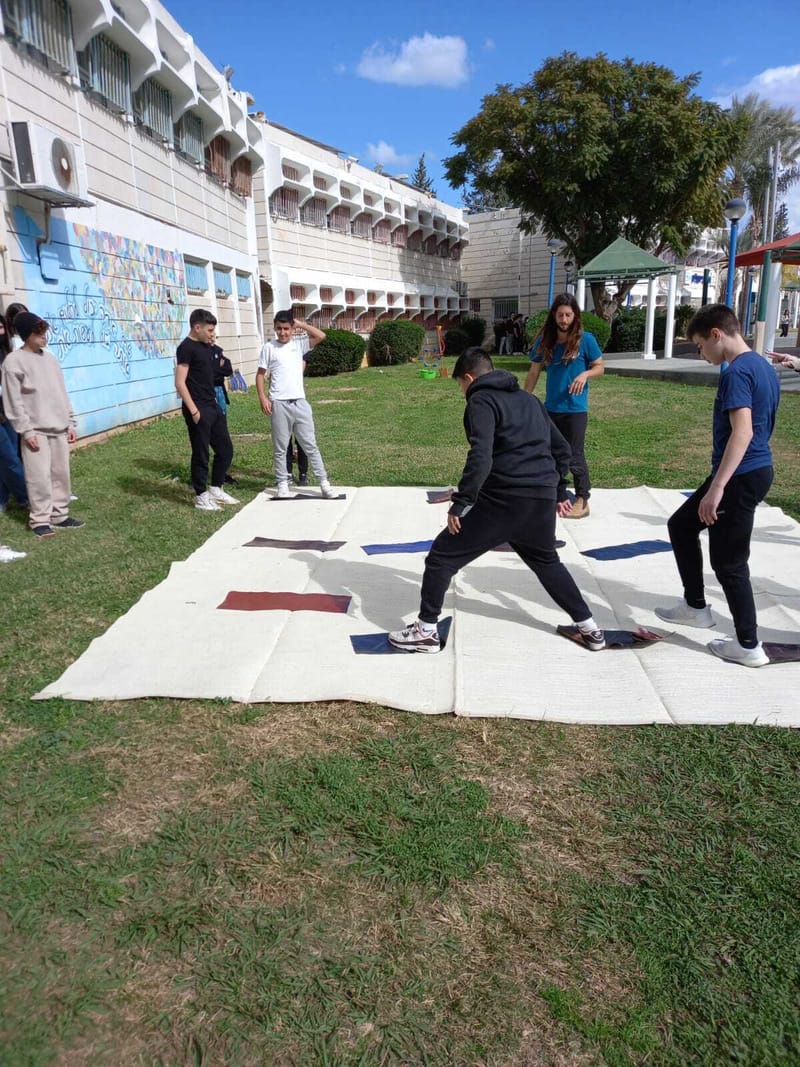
238, 601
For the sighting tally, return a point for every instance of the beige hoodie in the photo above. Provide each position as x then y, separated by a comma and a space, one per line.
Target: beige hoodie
34, 394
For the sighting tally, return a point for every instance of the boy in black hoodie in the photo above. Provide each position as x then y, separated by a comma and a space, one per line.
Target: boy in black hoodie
512, 487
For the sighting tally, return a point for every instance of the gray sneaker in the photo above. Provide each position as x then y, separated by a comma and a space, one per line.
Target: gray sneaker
327, 490
729, 648
687, 615
412, 639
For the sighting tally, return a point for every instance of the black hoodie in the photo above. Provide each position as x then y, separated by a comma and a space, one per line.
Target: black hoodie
515, 450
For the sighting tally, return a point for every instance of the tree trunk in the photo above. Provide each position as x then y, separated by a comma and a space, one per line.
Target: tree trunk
606, 305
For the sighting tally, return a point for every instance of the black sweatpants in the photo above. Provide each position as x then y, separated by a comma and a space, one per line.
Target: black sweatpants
210, 432
728, 547
302, 458
572, 427
529, 526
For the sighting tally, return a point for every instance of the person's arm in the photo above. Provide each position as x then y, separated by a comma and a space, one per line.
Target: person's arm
590, 351
315, 335
532, 377
263, 396
15, 408
741, 435
478, 464
182, 389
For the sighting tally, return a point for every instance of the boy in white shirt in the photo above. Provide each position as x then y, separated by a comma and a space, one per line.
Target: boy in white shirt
283, 361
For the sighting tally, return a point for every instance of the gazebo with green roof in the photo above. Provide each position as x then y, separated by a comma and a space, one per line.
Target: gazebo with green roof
624, 261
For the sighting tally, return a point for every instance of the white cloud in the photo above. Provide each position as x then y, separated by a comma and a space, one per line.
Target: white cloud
387, 156
426, 60
489, 45
779, 85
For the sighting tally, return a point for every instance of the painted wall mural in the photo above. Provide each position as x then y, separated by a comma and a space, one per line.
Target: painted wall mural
117, 311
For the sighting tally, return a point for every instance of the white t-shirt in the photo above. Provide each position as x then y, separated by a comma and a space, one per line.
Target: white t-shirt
284, 364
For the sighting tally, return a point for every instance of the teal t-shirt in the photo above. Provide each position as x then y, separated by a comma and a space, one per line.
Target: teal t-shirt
560, 375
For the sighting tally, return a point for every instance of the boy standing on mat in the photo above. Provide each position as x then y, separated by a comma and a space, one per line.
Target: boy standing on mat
512, 486
725, 504
283, 362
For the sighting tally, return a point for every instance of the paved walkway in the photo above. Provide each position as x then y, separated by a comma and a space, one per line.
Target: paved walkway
689, 370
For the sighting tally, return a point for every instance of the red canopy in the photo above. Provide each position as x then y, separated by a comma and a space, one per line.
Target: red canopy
754, 257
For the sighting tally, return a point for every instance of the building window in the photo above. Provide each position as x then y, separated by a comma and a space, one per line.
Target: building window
345, 320
45, 28
504, 306
152, 110
189, 138
443, 251
297, 293
475, 306
244, 286
320, 183
222, 282
380, 232
455, 251
196, 278
415, 241
361, 226
292, 174
339, 220
106, 73
322, 319
349, 296
366, 322
400, 237
285, 204
326, 294
314, 212
242, 176
218, 160
429, 247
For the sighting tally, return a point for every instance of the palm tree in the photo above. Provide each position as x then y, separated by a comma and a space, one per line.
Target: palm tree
750, 174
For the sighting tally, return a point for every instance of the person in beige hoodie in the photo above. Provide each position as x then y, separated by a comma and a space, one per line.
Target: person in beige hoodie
37, 406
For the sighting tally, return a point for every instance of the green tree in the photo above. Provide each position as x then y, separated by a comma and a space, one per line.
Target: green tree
592, 149
420, 179
488, 199
750, 173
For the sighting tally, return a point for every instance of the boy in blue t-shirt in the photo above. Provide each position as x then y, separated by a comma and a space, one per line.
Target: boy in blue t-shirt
741, 474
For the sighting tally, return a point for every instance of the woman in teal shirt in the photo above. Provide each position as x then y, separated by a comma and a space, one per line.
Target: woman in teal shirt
570, 358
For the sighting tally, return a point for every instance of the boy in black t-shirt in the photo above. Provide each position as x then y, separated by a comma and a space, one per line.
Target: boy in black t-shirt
206, 423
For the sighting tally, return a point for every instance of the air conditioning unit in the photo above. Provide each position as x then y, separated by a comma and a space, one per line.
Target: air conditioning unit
49, 167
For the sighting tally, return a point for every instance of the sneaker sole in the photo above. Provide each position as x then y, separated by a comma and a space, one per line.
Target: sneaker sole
414, 648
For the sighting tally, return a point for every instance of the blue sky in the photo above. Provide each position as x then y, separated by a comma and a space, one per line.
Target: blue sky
388, 82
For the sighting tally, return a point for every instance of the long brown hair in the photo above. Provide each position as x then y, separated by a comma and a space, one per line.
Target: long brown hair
547, 337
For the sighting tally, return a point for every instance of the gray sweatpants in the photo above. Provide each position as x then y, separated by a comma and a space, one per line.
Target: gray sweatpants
294, 417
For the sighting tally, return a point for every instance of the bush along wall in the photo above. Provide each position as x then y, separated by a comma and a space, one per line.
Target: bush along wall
475, 329
394, 342
455, 341
341, 351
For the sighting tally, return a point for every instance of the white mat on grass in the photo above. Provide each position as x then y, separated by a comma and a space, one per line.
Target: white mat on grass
503, 658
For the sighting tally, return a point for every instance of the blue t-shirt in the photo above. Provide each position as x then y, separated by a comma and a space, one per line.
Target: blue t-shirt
747, 382
560, 375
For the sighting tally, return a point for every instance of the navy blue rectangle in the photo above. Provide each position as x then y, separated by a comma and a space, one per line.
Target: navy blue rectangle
378, 644
629, 551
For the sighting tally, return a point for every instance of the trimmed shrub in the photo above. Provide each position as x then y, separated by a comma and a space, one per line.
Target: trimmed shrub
341, 351
591, 324
684, 313
475, 329
629, 329
395, 342
455, 341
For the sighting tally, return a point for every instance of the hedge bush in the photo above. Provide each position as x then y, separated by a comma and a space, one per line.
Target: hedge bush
394, 342
455, 341
591, 324
684, 313
342, 350
475, 329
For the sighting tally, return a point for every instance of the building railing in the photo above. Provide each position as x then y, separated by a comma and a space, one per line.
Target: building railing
152, 110
105, 70
45, 26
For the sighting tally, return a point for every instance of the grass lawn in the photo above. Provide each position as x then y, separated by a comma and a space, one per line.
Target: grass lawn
205, 883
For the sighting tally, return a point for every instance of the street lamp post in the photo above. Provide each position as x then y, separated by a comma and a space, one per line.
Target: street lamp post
553, 245
568, 275
733, 211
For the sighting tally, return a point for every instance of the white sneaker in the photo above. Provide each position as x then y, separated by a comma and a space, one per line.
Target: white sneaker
218, 494
327, 490
283, 491
7, 555
203, 502
729, 648
689, 616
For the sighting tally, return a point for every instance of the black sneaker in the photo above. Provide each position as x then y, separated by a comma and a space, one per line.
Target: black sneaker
303, 479
44, 531
412, 639
69, 523
559, 544
593, 639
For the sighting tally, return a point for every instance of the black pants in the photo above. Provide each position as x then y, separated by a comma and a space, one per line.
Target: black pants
784, 329
302, 458
529, 526
210, 432
728, 547
572, 426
